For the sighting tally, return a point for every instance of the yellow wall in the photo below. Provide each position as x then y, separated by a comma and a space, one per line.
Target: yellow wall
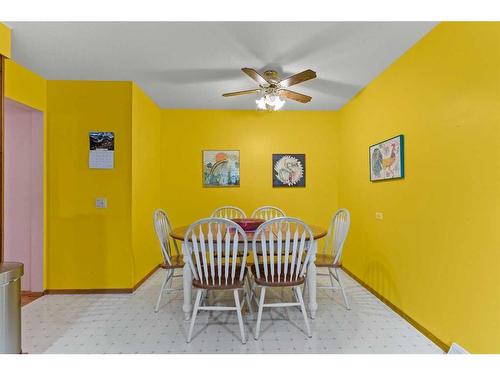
5, 37
88, 247
436, 253
24, 86
139, 116
146, 192
185, 133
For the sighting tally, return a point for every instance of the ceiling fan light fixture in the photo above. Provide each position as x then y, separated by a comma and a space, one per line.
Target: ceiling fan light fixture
270, 102
261, 104
274, 91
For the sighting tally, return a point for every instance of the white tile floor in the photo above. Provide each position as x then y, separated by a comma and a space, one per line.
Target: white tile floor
126, 323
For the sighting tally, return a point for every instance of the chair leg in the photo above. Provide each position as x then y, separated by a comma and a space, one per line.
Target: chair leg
342, 289
207, 302
195, 312
167, 278
171, 279
240, 317
331, 281
259, 315
251, 286
303, 309
248, 293
304, 294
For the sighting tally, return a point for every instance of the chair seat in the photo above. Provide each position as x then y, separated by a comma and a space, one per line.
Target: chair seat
237, 284
177, 262
326, 260
277, 281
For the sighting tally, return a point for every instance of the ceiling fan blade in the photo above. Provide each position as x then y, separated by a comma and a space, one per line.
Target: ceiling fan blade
240, 92
306, 75
255, 75
295, 96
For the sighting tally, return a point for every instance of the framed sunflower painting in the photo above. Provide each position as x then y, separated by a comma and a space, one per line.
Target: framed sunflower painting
289, 170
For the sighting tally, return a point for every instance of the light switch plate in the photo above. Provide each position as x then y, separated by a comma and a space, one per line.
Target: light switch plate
379, 216
101, 203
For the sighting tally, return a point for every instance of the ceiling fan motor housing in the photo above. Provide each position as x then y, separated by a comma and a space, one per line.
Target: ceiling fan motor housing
272, 76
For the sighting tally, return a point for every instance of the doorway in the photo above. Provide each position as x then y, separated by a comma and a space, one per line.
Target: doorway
23, 192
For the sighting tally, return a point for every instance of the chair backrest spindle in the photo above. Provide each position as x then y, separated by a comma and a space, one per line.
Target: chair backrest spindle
163, 230
212, 247
267, 213
229, 212
337, 233
282, 256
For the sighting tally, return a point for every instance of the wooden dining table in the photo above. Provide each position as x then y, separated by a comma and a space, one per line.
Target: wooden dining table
187, 307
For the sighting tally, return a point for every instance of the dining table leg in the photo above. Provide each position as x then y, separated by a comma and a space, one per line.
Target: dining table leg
311, 284
187, 282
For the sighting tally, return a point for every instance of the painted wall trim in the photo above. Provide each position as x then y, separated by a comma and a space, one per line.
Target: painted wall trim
436, 340
90, 291
27, 293
104, 291
147, 276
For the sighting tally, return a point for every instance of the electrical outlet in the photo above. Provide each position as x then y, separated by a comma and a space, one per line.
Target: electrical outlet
379, 216
101, 203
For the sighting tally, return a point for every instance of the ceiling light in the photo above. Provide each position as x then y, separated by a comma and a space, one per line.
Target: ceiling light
270, 102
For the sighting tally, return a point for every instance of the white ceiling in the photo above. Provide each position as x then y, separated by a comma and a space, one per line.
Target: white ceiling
190, 64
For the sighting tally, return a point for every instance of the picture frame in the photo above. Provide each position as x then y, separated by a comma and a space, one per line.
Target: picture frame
220, 168
289, 170
386, 159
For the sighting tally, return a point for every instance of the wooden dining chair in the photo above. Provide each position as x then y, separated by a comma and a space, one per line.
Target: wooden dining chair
216, 249
268, 212
229, 212
281, 260
331, 256
172, 258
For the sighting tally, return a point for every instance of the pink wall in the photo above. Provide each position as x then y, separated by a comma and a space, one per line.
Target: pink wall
23, 212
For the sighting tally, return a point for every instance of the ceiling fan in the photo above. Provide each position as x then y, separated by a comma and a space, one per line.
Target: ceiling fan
273, 89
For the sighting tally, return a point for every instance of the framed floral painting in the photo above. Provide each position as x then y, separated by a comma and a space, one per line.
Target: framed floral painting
221, 168
387, 159
289, 170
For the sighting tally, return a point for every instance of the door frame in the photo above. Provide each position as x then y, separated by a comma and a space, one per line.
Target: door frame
2, 115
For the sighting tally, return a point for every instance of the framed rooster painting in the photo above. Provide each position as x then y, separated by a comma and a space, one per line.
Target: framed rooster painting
387, 159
